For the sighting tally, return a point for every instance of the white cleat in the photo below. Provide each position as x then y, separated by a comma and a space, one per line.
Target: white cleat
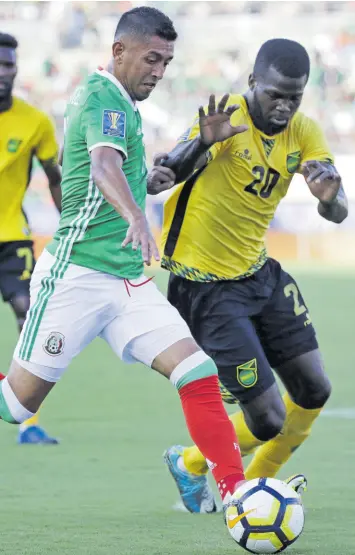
298, 482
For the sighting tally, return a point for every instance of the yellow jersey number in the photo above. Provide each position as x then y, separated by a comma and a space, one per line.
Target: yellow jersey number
268, 179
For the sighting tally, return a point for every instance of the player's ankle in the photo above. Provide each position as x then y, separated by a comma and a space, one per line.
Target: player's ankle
228, 485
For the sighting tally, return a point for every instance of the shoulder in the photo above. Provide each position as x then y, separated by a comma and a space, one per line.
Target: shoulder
304, 126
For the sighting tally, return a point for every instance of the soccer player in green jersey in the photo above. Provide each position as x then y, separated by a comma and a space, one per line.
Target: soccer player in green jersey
89, 281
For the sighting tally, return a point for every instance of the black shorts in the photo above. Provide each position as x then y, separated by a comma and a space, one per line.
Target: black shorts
247, 326
16, 267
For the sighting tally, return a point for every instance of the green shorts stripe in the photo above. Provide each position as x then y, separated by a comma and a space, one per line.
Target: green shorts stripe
36, 312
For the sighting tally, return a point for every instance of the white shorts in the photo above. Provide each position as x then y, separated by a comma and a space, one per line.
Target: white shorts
68, 310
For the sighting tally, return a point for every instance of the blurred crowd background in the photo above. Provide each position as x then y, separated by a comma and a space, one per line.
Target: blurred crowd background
60, 42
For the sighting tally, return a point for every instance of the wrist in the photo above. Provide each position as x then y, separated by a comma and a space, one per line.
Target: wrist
134, 214
204, 146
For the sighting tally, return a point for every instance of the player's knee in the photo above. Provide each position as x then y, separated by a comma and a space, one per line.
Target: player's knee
316, 395
20, 305
265, 422
11, 410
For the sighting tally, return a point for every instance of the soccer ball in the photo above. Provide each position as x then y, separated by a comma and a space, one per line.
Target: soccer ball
265, 515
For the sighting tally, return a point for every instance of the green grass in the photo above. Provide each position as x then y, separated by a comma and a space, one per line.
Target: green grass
105, 491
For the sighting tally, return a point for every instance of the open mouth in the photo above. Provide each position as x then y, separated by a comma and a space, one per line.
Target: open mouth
150, 86
278, 120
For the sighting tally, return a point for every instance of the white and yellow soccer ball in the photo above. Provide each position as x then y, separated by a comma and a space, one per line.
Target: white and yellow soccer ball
265, 515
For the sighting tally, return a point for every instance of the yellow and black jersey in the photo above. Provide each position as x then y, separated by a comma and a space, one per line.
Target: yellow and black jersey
215, 223
25, 132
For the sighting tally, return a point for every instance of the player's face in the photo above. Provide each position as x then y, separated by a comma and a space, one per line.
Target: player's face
277, 99
141, 64
7, 71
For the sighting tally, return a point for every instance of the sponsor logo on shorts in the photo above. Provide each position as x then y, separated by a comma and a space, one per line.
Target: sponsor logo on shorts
54, 344
247, 373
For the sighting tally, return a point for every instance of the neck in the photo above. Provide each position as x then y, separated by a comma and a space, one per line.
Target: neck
110, 68
257, 118
6, 103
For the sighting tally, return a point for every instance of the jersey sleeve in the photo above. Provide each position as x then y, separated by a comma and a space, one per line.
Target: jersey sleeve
104, 125
47, 147
314, 145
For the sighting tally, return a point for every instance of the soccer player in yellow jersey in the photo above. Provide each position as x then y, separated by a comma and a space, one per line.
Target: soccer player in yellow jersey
243, 309
25, 132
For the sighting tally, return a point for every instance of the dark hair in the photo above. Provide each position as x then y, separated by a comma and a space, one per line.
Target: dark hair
287, 56
8, 40
146, 22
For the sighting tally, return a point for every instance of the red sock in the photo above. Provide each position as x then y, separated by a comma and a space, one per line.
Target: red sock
2, 377
212, 431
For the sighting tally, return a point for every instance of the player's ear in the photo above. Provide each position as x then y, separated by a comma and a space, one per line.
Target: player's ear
117, 51
252, 81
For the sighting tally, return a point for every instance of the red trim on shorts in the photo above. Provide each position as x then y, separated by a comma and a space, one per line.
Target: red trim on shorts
127, 282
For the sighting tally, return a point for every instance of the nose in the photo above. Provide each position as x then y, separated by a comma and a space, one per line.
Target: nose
284, 106
158, 71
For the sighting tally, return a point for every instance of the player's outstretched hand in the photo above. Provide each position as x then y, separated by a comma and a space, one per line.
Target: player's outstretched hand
140, 235
215, 126
322, 179
160, 178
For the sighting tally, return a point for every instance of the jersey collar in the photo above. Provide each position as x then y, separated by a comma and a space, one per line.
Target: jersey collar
120, 87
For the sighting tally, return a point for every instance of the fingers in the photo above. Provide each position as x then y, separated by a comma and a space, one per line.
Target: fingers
154, 249
127, 239
159, 157
240, 129
231, 109
145, 248
222, 103
212, 105
164, 174
201, 112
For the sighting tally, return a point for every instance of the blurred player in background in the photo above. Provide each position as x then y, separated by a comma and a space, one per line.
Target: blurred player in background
242, 308
99, 250
25, 132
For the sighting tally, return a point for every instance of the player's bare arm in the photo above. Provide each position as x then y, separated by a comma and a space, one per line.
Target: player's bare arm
215, 127
109, 177
54, 175
324, 182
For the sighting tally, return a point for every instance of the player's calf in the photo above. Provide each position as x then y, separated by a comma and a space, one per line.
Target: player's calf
195, 376
20, 305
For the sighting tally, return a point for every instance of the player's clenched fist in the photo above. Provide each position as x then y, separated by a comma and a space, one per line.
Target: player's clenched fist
215, 126
160, 178
322, 179
140, 235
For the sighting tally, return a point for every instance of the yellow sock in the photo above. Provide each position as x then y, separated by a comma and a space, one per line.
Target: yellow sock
195, 462
271, 456
33, 421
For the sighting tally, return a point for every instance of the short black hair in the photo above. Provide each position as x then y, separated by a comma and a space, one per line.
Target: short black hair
288, 57
8, 41
146, 22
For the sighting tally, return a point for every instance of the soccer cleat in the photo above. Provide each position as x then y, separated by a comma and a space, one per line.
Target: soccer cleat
35, 435
298, 482
195, 491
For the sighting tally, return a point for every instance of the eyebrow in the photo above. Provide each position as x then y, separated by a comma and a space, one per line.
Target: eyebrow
283, 93
158, 54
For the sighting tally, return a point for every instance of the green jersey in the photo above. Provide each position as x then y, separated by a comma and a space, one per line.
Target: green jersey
90, 233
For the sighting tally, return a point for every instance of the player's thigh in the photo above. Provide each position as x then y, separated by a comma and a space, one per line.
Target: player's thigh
29, 389
149, 326
61, 321
284, 326
16, 267
305, 380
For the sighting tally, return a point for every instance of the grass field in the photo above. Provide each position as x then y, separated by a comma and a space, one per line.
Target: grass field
105, 491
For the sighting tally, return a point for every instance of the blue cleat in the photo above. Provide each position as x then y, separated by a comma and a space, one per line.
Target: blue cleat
35, 435
195, 491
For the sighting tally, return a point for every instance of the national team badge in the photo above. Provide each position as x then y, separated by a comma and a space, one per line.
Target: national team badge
247, 373
293, 161
54, 344
114, 123
13, 145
